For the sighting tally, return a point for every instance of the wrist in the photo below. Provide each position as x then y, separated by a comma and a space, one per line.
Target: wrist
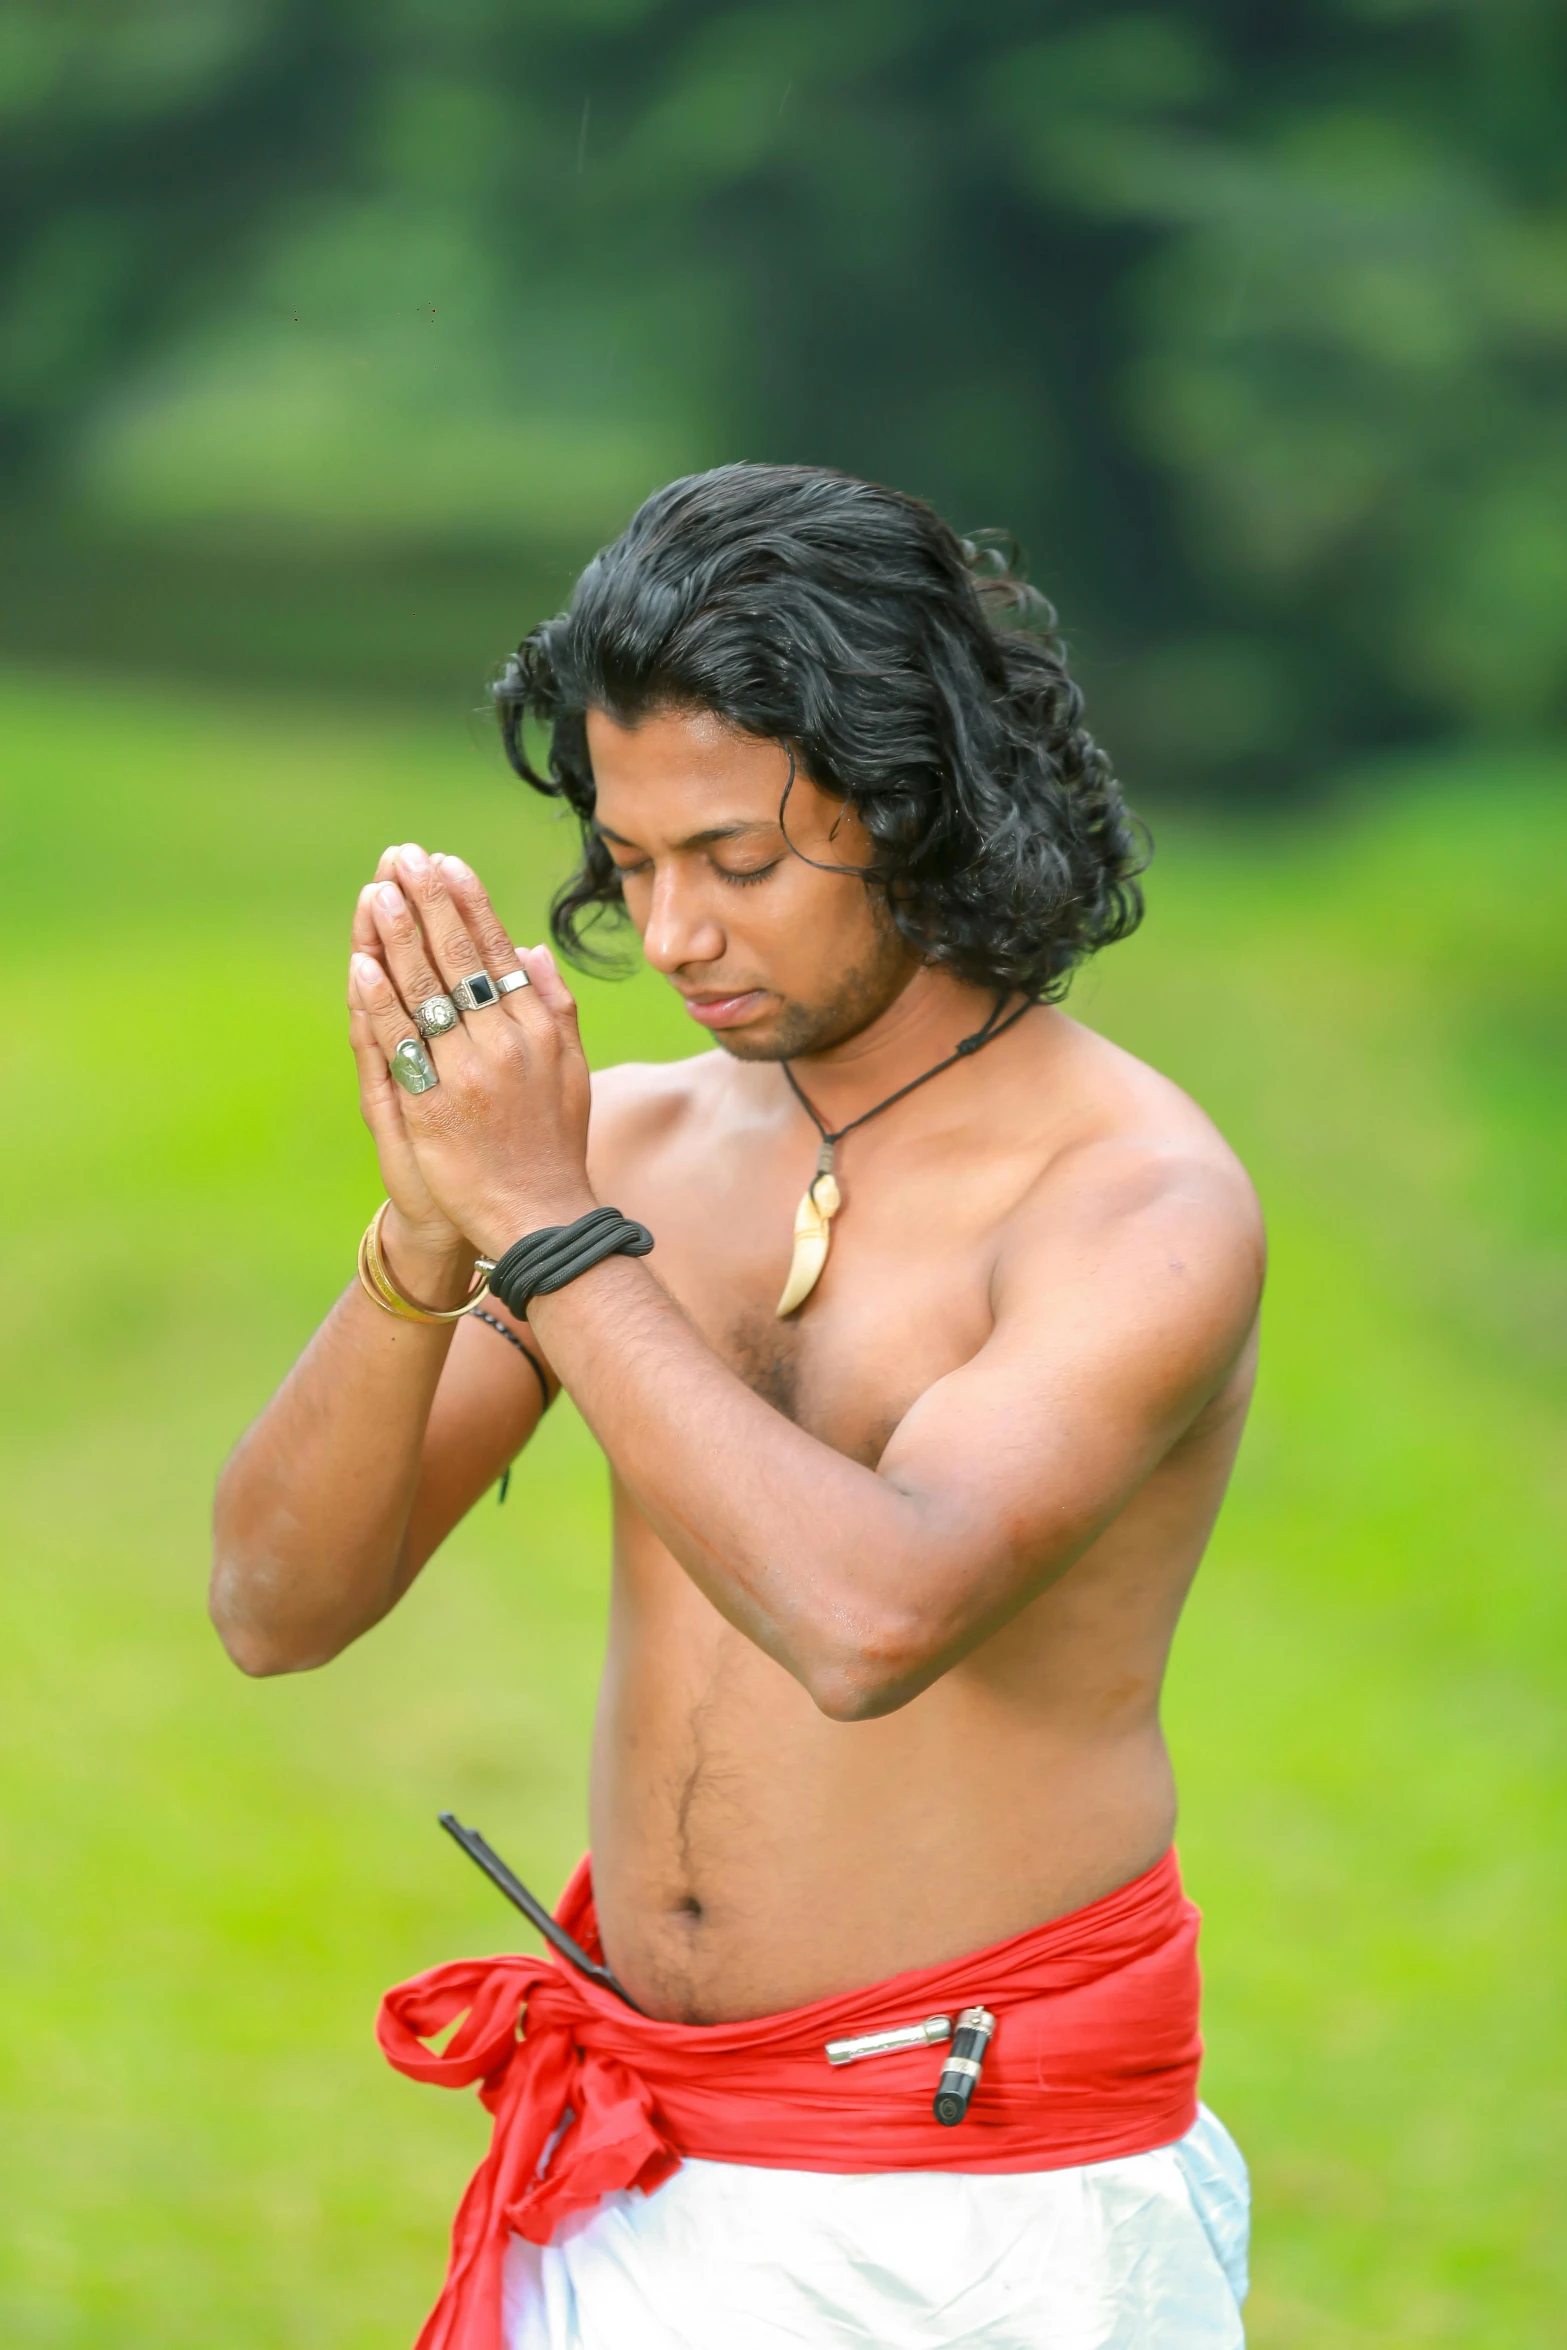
433, 1270
555, 1257
514, 1218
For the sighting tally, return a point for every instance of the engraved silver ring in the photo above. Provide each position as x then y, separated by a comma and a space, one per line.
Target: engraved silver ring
410, 1064
436, 1016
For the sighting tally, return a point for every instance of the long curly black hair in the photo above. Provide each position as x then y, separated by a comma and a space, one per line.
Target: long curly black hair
913, 672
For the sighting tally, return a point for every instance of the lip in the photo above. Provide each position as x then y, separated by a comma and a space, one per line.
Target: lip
724, 1011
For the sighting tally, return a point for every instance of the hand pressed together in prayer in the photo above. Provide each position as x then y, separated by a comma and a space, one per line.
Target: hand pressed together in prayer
498, 1147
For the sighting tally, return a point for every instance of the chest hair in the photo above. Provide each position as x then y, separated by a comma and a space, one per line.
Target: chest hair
766, 1355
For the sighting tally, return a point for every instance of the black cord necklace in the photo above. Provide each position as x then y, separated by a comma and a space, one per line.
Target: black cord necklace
823, 1199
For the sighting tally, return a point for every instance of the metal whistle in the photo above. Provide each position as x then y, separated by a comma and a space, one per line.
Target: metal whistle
885, 2043
960, 2071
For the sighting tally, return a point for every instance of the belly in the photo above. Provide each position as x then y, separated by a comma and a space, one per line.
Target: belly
750, 1855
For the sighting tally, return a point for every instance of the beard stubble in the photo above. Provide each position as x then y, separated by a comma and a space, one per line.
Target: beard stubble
861, 996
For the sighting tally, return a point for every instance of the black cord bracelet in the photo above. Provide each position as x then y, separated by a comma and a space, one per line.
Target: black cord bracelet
512, 1339
547, 1260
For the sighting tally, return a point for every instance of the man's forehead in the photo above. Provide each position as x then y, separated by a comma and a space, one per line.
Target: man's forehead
737, 829
686, 775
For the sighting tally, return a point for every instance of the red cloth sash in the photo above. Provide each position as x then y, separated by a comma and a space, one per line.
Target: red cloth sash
1095, 2054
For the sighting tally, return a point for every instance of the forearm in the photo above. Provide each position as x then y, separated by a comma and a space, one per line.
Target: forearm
814, 1557
313, 1507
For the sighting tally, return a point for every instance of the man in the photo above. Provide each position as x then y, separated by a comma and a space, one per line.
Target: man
917, 1422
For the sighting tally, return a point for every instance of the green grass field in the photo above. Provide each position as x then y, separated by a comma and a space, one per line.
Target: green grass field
207, 1882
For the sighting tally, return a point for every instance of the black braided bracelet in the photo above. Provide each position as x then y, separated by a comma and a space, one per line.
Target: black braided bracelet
512, 1339
547, 1260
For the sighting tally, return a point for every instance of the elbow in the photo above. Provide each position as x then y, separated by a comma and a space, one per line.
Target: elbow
255, 1661
257, 1656
259, 1653
850, 1695
877, 1673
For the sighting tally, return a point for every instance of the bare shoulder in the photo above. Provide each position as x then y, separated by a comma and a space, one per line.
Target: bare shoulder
1140, 1193
1127, 1134
639, 1104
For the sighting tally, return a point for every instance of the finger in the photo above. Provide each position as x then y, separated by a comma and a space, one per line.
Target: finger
366, 937
386, 863
379, 1094
402, 945
484, 926
447, 939
388, 1017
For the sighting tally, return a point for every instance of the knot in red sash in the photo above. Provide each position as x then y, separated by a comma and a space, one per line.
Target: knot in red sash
540, 2082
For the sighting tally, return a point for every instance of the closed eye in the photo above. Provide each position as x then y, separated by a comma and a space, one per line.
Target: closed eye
741, 880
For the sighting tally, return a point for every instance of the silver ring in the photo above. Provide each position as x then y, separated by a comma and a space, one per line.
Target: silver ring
512, 981
412, 1067
436, 1015
475, 992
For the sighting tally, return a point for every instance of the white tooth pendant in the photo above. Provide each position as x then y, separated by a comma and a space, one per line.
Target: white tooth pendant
812, 1234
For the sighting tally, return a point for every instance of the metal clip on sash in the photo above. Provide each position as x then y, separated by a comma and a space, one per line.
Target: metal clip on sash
886, 2043
960, 2072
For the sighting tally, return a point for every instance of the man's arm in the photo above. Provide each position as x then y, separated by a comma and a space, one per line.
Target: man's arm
1124, 1293
382, 1437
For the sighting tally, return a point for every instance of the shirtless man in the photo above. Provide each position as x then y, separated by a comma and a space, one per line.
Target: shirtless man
896, 1572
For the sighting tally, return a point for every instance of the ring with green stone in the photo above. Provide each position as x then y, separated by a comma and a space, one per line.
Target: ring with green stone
412, 1067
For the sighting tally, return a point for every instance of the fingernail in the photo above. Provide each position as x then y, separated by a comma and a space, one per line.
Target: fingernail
413, 857
456, 865
366, 970
392, 898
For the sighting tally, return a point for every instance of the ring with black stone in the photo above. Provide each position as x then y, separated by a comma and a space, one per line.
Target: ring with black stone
436, 1016
476, 992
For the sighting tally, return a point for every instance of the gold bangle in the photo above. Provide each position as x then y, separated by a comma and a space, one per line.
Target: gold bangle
383, 1288
377, 1283
377, 1297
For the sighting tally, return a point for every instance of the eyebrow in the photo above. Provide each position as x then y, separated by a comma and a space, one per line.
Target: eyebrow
703, 839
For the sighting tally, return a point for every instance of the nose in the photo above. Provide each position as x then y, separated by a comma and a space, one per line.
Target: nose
680, 928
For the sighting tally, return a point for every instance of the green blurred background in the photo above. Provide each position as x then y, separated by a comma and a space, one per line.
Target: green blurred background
331, 339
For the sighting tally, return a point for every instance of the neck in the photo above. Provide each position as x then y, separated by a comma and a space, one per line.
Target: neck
925, 1022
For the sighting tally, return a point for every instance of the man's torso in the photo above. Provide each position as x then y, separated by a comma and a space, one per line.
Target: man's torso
751, 1854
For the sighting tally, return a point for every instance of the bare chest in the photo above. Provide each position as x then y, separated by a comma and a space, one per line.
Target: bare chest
904, 1295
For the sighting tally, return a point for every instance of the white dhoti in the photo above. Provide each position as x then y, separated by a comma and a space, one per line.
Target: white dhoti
1144, 2253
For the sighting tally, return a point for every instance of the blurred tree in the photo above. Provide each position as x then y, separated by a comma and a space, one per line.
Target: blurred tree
1251, 322
145, 149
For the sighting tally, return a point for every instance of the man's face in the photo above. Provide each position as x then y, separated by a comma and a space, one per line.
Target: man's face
772, 955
